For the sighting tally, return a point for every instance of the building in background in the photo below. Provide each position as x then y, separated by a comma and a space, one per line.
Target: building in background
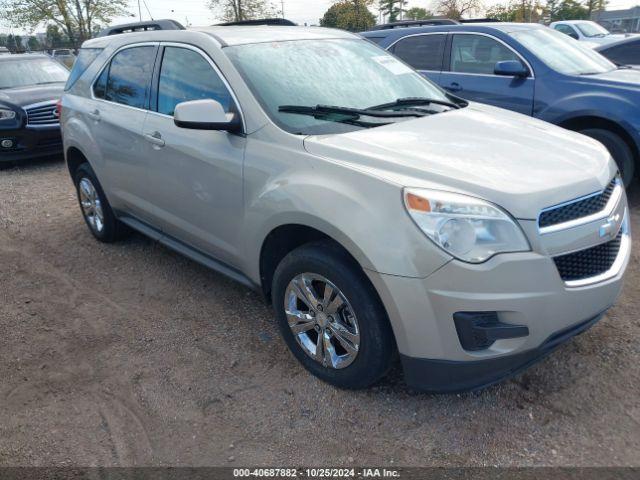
619, 21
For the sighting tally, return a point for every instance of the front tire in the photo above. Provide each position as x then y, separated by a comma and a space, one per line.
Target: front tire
619, 150
96, 211
331, 317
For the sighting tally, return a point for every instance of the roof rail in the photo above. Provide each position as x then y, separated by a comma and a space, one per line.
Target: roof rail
141, 27
480, 20
283, 22
416, 23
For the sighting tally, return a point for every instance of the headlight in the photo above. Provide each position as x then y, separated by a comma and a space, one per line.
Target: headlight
468, 228
6, 114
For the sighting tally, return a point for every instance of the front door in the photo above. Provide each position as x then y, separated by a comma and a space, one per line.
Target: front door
195, 176
471, 74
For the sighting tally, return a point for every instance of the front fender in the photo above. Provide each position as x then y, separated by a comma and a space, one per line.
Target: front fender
607, 106
363, 213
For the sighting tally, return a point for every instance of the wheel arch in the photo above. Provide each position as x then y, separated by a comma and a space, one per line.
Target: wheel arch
75, 158
283, 239
593, 121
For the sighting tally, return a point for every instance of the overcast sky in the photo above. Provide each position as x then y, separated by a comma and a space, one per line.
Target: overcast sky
300, 11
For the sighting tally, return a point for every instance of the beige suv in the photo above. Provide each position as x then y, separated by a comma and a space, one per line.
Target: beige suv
378, 214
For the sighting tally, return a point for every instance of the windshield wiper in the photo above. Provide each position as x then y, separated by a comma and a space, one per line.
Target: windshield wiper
327, 110
414, 101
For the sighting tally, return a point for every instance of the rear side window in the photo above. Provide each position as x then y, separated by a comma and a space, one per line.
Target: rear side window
422, 52
86, 56
627, 54
129, 76
202, 81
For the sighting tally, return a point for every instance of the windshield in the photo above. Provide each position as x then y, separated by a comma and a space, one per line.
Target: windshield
353, 74
21, 73
562, 53
591, 29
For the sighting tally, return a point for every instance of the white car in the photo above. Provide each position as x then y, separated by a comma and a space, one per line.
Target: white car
587, 31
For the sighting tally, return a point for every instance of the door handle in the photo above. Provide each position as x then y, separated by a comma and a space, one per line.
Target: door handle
454, 87
155, 139
95, 115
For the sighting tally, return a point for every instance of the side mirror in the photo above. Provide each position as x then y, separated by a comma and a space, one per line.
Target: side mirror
205, 115
511, 68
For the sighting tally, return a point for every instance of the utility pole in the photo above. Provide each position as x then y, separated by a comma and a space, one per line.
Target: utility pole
282, 1
139, 11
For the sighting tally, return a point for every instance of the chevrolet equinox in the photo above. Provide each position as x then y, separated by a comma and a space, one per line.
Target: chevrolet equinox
380, 215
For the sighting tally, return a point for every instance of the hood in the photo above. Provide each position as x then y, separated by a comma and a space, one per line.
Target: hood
22, 96
629, 76
517, 162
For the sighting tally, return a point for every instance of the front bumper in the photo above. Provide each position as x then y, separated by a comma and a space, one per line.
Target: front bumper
521, 289
444, 376
30, 142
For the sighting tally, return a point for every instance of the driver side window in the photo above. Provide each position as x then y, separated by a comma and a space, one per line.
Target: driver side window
202, 82
478, 54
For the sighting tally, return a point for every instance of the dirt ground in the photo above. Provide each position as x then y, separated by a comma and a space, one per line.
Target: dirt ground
129, 354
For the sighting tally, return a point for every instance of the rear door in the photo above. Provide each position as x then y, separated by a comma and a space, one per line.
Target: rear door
469, 73
116, 116
424, 52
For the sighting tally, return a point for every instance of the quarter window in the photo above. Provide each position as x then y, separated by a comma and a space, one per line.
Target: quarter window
478, 54
202, 82
422, 52
127, 79
100, 87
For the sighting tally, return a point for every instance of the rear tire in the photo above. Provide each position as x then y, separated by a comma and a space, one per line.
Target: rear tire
95, 208
619, 150
348, 326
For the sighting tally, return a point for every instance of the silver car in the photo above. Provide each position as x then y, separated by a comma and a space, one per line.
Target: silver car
380, 216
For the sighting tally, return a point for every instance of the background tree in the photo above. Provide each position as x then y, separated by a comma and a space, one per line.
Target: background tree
392, 9
417, 13
33, 44
238, 10
456, 9
523, 11
567, 10
53, 37
352, 15
76, 18
594, 6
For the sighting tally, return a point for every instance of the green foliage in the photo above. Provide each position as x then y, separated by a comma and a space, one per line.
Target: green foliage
392, 9
76, 18
34, 44
567, 10
352, 15
522, 11
417, 13
238, 10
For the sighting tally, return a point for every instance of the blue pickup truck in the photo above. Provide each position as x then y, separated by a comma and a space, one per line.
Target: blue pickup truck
533, 70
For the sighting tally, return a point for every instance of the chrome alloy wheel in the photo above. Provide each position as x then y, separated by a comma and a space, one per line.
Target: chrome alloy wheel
322, 320
91, 205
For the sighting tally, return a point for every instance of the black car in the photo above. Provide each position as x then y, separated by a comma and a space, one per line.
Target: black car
622, 52
30, 86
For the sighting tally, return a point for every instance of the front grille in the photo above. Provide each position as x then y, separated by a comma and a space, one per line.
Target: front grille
42, 114
577, 209
590, 262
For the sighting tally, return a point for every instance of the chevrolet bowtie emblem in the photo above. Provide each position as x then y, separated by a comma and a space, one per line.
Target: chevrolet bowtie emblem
609, 229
